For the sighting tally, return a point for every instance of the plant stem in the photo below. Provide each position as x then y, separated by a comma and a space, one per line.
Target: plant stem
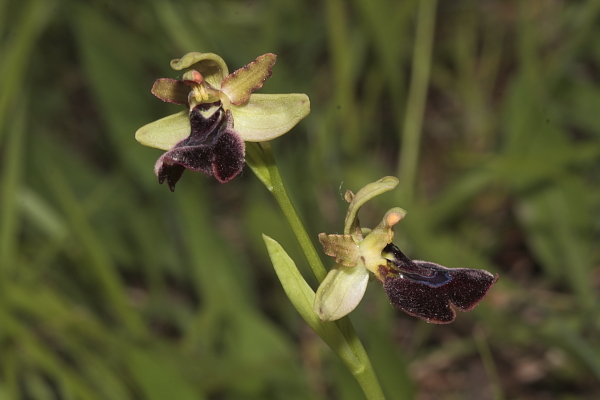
366, 377
277, 188
261, 160
415, 109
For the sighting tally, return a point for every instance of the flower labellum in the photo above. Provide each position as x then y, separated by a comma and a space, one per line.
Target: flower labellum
222, 113
213, 147
426, 290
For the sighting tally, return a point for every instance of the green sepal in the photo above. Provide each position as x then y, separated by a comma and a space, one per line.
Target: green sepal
340, 292
267, 116
166, 132
365, 194
211, 66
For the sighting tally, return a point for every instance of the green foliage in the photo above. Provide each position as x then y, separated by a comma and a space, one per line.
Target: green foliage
111, 287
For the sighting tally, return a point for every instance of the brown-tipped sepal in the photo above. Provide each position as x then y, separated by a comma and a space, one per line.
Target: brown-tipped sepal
171, 90
239, 85
342, 248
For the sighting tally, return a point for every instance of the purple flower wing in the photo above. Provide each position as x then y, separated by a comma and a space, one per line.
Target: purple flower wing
427, 290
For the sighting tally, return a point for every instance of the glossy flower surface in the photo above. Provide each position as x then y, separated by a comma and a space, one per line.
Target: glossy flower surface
420, 288
221, 114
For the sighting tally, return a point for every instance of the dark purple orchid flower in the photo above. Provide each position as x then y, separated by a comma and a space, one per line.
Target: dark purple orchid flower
420, 288
221, 113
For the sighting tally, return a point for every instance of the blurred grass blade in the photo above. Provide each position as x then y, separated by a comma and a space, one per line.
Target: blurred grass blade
40, 212
16, 53
159, 378
584, 349
99, 261
417, 97
487, 359
11, 178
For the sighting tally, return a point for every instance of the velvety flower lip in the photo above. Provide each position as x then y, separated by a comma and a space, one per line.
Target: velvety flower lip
427, 290
213, 148
222, 113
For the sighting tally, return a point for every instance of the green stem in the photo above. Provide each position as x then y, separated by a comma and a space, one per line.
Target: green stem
274, 184
11, 175
415, 109
366, 377
261, 160
488, 363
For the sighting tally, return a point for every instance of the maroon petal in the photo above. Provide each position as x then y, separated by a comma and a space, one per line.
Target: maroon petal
427, 290
171, 90
170, 166
229, 152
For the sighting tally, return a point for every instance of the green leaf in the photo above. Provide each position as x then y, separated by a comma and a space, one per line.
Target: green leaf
302, 297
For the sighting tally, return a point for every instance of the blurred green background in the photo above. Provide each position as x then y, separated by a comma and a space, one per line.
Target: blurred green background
112, 287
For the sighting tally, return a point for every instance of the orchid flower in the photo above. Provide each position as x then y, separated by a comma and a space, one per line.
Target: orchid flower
420, 288
221, 114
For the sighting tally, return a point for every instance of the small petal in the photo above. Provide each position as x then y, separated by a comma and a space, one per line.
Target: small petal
267, 116
192, 77
211, 66
165, 133
383, 234
171, 90
342, 248
241, 83
340, 292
